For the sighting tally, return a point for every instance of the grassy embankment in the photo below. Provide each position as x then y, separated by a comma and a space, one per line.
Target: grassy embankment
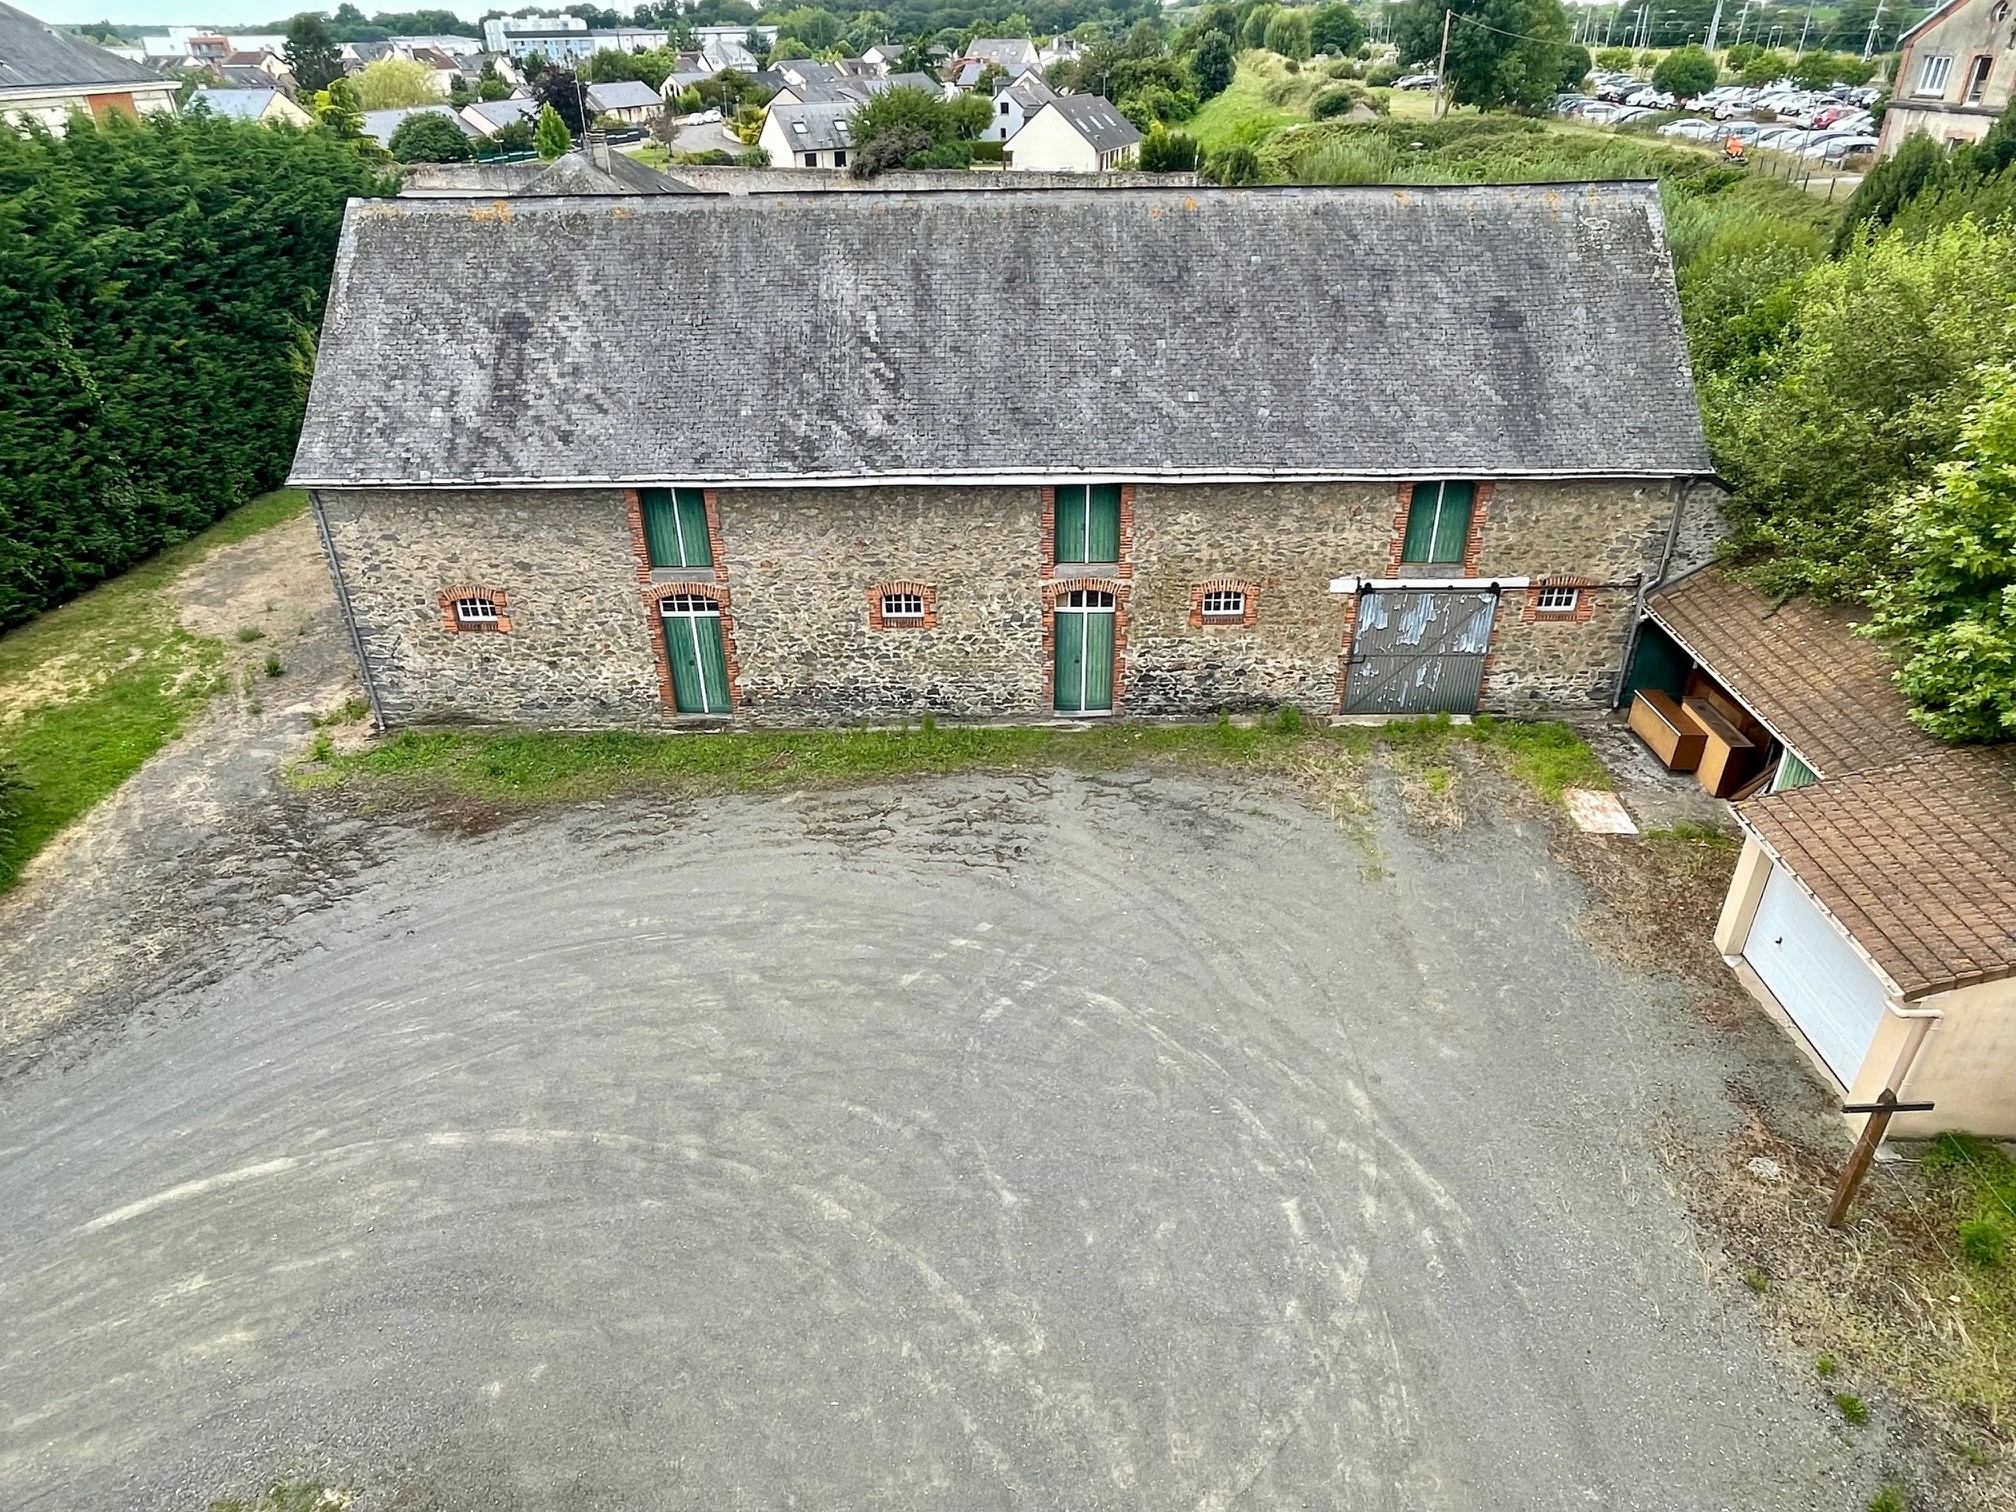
90, 690
1267, 108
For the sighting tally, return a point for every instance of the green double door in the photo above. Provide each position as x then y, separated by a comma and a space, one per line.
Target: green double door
694, 647
1084, 631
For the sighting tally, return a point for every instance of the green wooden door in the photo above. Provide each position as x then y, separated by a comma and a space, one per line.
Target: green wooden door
699, 658
1084, 666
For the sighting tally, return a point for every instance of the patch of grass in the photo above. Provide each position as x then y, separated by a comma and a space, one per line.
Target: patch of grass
250, 633
530, 766
1245, 114
1825, 1366
97, 685
289, 1496
1892, 1498
273, 666
1852, 1407
1987, 1176
1757, 1279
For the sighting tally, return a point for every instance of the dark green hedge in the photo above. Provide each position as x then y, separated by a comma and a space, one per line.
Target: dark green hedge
161, 286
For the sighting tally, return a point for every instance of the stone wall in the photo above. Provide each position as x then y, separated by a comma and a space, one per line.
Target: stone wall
723, 178
1282, 543
799, 565
578, 652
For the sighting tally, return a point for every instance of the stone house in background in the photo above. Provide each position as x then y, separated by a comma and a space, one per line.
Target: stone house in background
1956, 70
46, 73
1363, 449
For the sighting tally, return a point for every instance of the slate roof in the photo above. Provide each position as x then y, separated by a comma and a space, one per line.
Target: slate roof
1917, 862
1821, 689
1095, 119
1031, 93
380, 124
572, 173
1012, 53
815, 125
238, 104
1369, 332
34, 54
624, 94
501, 113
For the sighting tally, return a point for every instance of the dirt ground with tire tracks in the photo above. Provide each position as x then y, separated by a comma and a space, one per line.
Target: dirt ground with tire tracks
1135, 1140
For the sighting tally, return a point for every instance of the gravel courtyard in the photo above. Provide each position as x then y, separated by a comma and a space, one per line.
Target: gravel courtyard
1032, 1142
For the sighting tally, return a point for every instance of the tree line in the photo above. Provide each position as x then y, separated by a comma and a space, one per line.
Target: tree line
161, 287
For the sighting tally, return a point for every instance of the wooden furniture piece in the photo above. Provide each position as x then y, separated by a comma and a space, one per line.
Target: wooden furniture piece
1727, 754
1669, 730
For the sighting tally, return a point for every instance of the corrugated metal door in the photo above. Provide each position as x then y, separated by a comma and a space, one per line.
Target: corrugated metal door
1084, 666
1419, 651
1823, 986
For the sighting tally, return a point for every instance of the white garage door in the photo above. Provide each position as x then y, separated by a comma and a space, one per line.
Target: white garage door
1829, 991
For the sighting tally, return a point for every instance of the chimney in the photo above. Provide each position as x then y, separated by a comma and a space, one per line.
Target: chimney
598, 149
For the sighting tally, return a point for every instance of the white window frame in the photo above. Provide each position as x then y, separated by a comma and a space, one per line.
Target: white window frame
1557, 600
1933, 74
905, 612
477, 614
1230, 604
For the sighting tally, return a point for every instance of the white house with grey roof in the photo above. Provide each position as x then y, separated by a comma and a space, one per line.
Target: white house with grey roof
267, 106
1074, 134
628, 100
809, 134
1359, 449
47, 73
488, 117
1014, 106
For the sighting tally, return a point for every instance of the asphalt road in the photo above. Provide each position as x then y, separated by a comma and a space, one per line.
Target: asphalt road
1050, 1143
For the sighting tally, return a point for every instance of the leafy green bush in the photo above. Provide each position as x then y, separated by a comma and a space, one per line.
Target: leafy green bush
1685, 73
1381, 74
429, 138
1235, 165
1164, 151
1338, 100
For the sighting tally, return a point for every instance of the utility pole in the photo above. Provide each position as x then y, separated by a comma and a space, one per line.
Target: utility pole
1442, 68
1800, 51
1866, 1144
1714, 28
1869, 42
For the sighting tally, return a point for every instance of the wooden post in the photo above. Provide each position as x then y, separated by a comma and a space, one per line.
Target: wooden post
1442, 69
1880, 1113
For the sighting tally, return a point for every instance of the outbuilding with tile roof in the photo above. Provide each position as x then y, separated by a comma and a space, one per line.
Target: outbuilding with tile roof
1873, 906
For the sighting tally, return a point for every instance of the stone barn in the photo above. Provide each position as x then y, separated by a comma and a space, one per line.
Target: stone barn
994, 455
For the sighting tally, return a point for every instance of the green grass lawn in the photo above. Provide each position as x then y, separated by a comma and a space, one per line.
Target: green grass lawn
90, 690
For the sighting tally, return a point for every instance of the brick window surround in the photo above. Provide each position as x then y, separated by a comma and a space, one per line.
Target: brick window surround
1241, 621
1473, 544
454, 626
1124, 568
698, 588
1585, 602
1112, 585
924, 591
716, 589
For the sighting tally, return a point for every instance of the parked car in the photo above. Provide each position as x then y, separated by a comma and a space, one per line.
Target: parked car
1417, 81
1650, 99
1692, 128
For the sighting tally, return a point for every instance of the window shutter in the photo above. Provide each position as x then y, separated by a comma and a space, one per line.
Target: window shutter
1102, 527
661, 530
1452, 523
1438, 523
1071, 525
694, 549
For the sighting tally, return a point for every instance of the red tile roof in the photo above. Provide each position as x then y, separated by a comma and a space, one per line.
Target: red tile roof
1910, 843
1918, 861
1823, 690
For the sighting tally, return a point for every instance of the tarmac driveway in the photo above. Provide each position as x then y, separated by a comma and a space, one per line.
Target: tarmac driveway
1047, 1143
